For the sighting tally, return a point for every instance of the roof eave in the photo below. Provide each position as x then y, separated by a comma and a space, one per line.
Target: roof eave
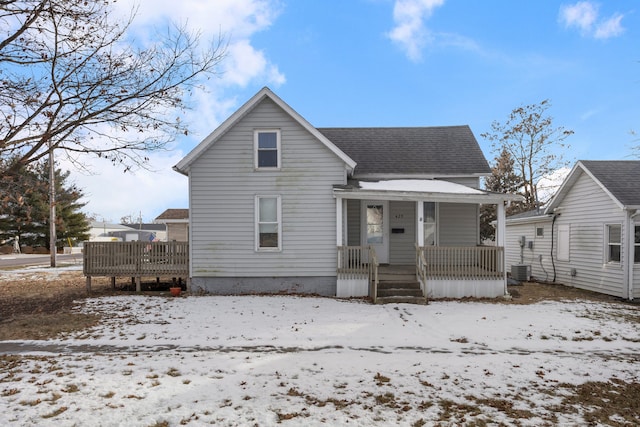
184, 164
484, 198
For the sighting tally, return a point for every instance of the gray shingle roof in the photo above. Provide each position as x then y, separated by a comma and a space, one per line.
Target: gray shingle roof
620, 177
174, 214
442, 150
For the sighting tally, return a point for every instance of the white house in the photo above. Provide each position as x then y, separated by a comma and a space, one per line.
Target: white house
589, 234
277, 205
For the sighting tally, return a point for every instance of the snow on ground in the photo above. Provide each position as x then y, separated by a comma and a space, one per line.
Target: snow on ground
265, 360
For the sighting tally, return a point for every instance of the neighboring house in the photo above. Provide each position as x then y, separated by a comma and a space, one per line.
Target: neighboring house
145, 232
589, 234
102, 231
277, 205
177, 223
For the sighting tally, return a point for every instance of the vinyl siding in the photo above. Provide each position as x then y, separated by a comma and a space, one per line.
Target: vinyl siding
473, 182
402, 250
541, 268
587, 209
458, 224
223, 186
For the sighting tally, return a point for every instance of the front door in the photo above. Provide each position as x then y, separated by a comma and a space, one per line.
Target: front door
375, 225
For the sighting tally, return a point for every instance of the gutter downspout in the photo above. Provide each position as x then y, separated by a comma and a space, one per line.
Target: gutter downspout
628, 272
553, 221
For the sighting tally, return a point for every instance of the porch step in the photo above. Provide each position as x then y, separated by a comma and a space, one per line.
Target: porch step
398, 284
400, 292
401, 300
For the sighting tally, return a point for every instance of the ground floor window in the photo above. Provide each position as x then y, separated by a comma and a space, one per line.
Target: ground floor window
614, 240
268, 223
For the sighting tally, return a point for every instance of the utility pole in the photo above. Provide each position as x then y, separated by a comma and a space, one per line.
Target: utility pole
52, 207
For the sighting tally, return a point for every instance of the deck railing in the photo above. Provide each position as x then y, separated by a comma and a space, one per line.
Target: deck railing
359, 263
466, 263
135, 259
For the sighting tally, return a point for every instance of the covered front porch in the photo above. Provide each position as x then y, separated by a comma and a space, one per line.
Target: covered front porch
429, 229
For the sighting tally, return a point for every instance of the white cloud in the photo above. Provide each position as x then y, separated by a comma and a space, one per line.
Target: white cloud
612, 27
585, 16
548, 185
112, 194
410, 31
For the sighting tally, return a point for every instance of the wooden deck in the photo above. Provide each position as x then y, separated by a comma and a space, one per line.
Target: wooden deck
135, 260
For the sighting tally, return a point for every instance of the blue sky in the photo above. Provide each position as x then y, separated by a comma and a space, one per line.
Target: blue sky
400, 63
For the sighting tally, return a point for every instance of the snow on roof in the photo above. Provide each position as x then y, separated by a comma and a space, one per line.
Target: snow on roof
419, 185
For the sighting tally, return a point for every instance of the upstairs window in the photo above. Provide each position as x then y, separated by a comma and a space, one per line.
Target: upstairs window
614, 240
267, 149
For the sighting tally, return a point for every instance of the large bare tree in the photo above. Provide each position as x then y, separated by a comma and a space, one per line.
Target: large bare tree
73, 80
534, 144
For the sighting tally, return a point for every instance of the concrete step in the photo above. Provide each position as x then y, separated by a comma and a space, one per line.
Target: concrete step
400, 292
401, 300
409, 277
405, 284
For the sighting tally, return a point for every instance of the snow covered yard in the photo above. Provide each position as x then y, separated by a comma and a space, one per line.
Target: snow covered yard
268, 360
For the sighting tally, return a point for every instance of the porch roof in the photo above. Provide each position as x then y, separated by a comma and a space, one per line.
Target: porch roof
419, 189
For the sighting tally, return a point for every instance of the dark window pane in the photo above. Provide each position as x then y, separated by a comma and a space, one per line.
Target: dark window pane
637, 232
267, 158
636, 256
614, 253
268, 240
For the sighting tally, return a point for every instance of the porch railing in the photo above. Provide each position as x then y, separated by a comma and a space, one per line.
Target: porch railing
466, 263
359, 263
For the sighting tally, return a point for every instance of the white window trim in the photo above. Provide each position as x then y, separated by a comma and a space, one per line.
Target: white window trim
256, 132
636, 246
606, 244
257, 221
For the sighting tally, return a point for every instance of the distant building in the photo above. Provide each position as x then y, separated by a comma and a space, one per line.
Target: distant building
177, 223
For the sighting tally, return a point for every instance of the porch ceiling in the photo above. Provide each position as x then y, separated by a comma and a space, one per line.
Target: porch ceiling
419, 189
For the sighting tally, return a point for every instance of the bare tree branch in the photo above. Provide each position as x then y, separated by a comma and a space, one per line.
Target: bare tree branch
534, 144
70, 80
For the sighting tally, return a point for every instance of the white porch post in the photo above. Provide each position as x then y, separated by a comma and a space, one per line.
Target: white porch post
339, 221
500, 225
501, 230
420, 216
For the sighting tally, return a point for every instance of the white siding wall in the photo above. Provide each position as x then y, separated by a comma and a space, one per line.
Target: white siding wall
402, 250
468, 181
223, 186
458, 224
586, 208
541, 269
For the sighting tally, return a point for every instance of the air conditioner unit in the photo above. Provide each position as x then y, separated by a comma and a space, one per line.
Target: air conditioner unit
521, 272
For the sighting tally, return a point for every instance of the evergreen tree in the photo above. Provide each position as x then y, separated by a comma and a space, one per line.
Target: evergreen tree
503, 179
25, 207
